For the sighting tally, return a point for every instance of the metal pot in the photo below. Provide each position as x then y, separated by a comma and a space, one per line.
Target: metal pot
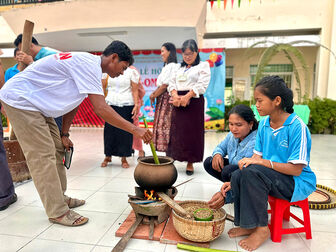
149, 175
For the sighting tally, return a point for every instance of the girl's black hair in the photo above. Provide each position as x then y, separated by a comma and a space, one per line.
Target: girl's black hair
273, 86
246, 113
172, 52
192, 46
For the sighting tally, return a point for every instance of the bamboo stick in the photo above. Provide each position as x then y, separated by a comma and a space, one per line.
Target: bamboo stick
199, 249
26, 41
156, 159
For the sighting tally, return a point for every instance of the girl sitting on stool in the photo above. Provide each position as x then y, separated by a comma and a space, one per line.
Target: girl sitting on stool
279, 166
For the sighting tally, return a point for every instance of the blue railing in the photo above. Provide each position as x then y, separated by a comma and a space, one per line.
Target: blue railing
14, 2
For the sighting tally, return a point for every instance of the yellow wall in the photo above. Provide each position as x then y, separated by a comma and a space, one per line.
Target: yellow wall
241, 63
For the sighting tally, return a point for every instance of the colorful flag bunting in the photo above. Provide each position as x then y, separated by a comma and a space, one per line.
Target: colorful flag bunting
218, 3
212, 2
239, 3
232, 3
225, 1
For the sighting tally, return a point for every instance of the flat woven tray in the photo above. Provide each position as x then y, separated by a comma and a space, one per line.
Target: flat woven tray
323, 198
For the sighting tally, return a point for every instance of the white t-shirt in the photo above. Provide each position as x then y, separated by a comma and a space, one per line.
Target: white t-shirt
166, 73
119, 90
196, 78
56, 84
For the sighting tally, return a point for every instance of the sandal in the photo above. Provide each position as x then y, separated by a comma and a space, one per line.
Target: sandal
190, 169
106, 161
124, 163
71, 219
73, 202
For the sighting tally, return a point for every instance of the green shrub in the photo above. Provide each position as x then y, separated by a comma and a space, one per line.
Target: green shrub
227, 110
322, 118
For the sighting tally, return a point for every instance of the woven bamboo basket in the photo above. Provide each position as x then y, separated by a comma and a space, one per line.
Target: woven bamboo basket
199, 231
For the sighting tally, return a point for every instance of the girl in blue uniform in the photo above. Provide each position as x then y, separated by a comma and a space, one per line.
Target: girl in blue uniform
279, 166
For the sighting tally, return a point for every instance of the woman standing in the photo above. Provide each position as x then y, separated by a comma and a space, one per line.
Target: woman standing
122, 96
187, 87
163, 109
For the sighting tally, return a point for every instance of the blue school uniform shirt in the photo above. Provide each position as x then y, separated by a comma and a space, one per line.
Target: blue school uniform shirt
43, 53
291, 143
10, 72
234, 149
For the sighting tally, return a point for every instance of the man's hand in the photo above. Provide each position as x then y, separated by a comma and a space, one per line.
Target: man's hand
218, 162
145, 134
217, 201
67, 142
225, 188
152, 99
184, 100
24, 58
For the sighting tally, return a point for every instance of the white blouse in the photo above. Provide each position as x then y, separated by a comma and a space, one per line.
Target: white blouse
166, 73
120, 90
195, 78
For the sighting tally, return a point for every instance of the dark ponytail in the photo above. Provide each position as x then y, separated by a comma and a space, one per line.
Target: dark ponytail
273, 86
172, 52
246, 113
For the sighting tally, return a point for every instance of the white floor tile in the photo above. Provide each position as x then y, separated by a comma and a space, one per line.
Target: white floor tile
39, 245
28, 222
10, 243
106, 202
89, 233
88, 183
321, 241
125, 185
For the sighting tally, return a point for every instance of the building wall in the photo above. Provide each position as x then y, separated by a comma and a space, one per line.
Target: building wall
286, 16
241, 64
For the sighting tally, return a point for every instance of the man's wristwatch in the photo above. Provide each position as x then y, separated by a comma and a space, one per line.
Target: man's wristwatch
65, 134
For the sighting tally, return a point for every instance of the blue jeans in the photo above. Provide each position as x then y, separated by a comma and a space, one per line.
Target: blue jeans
250, 189
225, 174
6, 182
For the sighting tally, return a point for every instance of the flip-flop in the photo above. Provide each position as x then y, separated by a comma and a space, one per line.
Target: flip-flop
124, 164
70, 219
106, 161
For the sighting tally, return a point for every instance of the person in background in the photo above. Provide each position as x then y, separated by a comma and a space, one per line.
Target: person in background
279, 166
10, 72
122, 96
55, 86
239, 143
163, 109
137, 142
186, 88
37, 52
7, 191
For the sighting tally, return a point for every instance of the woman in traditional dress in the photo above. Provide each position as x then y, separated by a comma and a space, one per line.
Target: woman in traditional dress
187, 87
122, 96
163, 109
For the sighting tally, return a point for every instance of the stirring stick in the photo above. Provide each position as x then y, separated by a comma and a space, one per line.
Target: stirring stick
156, 160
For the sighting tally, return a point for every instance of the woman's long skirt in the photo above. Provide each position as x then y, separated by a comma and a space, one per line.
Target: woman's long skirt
187, 131
162, 118
118, 142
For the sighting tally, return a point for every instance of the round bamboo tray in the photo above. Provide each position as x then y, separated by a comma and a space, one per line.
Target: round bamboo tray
199, 231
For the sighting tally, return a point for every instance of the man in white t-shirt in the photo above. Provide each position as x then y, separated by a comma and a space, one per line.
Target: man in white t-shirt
55, 86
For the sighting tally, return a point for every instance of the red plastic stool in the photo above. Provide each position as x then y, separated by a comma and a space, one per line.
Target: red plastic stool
280, 210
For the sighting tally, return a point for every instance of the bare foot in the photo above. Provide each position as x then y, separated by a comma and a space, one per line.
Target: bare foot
106, 161
258, 237
141, 153
124, 163
238, 231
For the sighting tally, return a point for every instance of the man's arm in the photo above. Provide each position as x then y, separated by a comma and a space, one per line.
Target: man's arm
109, 115
2, 75
67, 120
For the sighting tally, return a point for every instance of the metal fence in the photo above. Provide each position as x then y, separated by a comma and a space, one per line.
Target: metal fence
14, 2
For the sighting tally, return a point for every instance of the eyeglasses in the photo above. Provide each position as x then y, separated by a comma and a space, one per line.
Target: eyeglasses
188, 54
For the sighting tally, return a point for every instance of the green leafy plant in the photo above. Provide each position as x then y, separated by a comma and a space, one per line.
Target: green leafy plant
4, 121
322, 118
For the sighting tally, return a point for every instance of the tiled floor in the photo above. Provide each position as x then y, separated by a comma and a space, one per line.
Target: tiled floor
25, 227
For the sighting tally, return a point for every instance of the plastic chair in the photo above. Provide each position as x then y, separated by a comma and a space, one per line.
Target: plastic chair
280, 210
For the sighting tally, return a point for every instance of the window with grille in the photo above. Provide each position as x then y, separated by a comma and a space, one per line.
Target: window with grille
285, 71
228, 84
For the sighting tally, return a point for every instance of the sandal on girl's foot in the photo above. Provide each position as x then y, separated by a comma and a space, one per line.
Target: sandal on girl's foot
124, 163
72, 202
106, 161
71, 219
